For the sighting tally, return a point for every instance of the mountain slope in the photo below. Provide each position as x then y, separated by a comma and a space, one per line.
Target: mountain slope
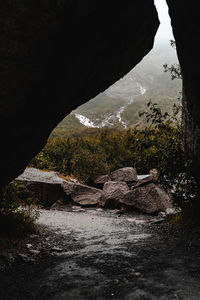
119, 105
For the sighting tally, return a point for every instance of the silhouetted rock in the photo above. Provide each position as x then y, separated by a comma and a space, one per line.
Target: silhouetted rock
114, 192
150, 199
56, 50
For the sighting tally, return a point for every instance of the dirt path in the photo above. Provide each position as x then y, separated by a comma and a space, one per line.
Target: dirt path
96, 254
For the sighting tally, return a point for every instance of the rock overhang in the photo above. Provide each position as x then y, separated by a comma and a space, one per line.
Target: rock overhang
58, 55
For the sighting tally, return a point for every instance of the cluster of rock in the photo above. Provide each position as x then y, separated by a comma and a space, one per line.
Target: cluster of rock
121, 188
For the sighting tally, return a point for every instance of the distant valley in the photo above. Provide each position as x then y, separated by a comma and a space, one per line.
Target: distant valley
118, 106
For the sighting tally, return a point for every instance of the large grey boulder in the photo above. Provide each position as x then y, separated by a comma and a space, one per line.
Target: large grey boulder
127, 174
150, 199
36, 175
41, 185
114, 193
82, 194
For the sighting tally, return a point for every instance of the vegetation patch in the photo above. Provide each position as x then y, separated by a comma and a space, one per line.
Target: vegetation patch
17, 212
100, 151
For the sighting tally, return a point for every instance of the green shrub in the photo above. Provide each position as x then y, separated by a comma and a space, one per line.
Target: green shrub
87, 165
159, 146
107, 150
16, 215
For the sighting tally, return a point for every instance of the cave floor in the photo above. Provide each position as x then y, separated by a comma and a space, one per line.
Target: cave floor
97, 254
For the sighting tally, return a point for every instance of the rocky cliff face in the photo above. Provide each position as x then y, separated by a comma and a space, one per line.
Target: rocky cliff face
186, 28
44, 44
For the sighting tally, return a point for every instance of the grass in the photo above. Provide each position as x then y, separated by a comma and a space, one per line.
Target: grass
17, 212
17, 225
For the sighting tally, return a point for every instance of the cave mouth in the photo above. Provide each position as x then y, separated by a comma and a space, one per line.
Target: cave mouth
116, 109
54, 45
87, 116
129, 54
26, 132
113, 107
120, 95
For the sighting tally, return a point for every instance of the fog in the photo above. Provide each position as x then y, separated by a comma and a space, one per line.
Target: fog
119, 104
164, 34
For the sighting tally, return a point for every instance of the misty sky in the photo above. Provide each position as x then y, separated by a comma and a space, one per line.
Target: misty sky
164, 33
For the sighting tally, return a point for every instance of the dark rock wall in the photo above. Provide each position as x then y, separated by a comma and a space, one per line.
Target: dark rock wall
186, 28
56, 55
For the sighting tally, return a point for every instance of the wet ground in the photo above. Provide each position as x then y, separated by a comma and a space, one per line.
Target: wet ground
97, 254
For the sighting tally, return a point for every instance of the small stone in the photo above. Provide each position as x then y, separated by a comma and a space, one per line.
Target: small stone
34, 252
78, 209
138, 274
57, 204
25, 257
56, 249
162, 214
172, 211
157, 221
33, 236
116, 281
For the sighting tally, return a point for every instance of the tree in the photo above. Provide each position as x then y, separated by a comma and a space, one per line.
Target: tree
174, 69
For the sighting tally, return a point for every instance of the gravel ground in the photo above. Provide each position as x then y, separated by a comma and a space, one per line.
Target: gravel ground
101, 254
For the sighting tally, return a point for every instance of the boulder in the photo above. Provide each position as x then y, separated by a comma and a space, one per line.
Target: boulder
127, 174
41, 185
56, 205
150, 199
99, 181
68, 187
45, 194
82, 194
142, 182
114, 192
36, 175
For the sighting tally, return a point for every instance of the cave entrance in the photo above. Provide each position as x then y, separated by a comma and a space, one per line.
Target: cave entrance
95, 138
107, 133
119, 105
